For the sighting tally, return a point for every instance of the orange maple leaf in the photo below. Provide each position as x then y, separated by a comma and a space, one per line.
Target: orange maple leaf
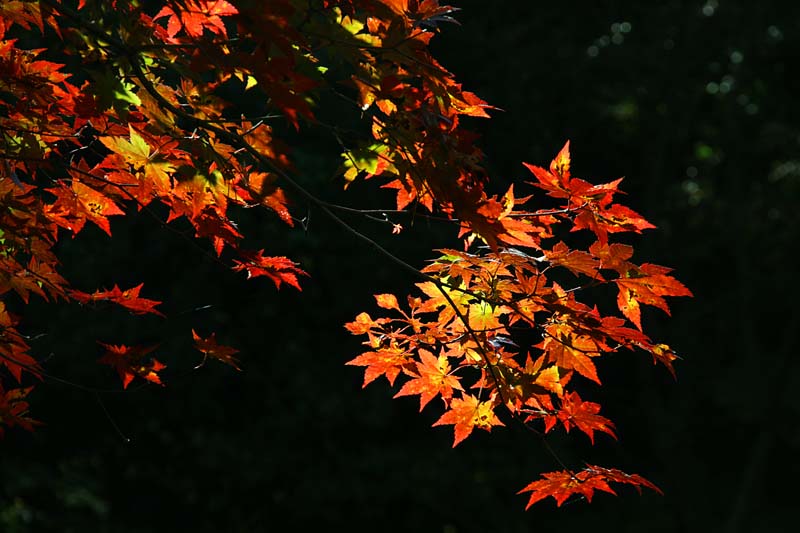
387, 301
383, 362
76, 204
433, 378
469, 412
570, 350
363, 324
557, 181
576, 261
647, 285
260, 188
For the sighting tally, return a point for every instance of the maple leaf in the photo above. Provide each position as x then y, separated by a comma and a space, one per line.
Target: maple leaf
438, 298
221, 230
278, 269
13, 348
570, 351
134, 164
14, 409
646, 284
369, 160
576, 261
661, 353
261, 188
22, 13
210, 348
130, 362
14, 276
470, 104
614, 219
485, 317
432, 378
383, 362
13, 354
128, 299
363, 324
78, 203
406, 194
583, 415
511, 230
469, 412
136, 152
612, 256
197, 16
95, 206
47, 279
387, 301
549, 378
563, 484
557, 181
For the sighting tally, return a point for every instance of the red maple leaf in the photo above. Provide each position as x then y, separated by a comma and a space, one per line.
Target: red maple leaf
210, 348
128, 299
575, 412
661, 353
130, 362
196, 16
563, 484
13, 348
557, 181
614, 219
278, 269
14, 409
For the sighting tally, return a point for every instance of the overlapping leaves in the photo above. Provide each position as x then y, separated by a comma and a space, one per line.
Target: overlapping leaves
159, 124
475, 305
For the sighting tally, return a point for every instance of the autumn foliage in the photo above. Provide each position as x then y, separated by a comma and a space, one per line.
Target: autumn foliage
136, 104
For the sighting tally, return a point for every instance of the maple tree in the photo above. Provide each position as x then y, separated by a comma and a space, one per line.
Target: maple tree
138, 106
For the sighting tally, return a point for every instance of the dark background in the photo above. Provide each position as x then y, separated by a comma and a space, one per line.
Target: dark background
695, 103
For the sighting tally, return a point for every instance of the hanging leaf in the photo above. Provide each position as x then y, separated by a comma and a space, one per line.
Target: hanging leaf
130, 362
210, 348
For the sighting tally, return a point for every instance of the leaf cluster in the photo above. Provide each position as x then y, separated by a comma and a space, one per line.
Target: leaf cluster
139, 110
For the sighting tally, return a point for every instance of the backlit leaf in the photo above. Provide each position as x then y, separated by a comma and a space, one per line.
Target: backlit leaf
210, 348
466, 413
130, 362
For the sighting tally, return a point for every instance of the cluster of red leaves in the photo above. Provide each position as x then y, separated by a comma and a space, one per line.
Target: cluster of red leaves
159, 123
456, 340
562, 485
73, 154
